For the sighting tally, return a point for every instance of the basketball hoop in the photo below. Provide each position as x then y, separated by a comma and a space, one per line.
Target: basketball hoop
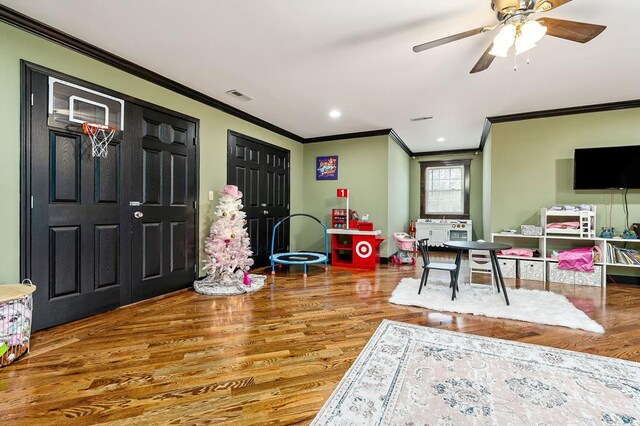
100, 136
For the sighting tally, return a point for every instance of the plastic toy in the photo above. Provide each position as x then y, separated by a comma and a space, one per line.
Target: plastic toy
405, 244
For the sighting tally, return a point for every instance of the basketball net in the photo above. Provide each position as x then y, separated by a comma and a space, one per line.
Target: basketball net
100, 136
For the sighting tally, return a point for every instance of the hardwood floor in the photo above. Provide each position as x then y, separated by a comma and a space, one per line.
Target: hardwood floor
271, 357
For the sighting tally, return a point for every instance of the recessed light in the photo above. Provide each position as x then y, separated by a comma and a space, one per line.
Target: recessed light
440, 139
334, 113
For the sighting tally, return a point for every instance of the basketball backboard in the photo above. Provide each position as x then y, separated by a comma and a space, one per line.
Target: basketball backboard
71, 105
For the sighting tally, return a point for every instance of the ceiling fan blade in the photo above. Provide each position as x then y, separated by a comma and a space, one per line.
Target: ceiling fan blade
571, 30
546, 5
445, 40
484, 62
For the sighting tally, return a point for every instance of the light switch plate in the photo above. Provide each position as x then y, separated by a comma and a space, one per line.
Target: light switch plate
210, 195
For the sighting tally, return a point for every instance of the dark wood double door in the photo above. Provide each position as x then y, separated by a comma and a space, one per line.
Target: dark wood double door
261, 172
104, 232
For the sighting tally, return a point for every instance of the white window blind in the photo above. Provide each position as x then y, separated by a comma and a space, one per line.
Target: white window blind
444, 190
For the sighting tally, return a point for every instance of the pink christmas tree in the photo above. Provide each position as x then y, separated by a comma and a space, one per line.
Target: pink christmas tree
228, 247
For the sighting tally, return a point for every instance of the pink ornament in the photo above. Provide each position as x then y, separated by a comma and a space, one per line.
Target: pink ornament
247, 279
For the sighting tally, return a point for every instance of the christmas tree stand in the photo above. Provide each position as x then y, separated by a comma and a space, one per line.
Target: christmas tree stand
229, 286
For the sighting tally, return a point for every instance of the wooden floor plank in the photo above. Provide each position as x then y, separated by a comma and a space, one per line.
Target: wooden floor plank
272, 357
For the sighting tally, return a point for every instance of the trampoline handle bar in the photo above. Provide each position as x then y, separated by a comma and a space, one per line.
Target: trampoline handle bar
273, 236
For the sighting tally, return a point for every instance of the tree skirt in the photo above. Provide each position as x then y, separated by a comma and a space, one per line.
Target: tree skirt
414, 375
229, 286
542, 307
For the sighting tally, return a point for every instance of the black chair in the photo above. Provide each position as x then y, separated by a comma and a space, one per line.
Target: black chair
423, 245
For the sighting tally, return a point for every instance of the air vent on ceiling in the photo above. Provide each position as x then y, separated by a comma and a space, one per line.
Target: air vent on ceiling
428, 117
239, 95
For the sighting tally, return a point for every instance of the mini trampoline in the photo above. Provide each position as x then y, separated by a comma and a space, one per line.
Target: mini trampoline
299, 258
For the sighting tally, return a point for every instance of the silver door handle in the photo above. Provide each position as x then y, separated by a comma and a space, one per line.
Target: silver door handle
265, 211
138, 215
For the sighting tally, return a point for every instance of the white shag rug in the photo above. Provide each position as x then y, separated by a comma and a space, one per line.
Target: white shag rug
542, 307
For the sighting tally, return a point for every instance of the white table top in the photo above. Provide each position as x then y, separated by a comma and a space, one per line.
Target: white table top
353, 232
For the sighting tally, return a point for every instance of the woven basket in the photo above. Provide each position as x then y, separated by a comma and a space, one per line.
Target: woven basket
16, 304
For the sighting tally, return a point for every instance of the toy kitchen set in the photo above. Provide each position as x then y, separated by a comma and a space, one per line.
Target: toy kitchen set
439, 231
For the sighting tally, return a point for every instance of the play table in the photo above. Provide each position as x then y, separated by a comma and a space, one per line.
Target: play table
460, 246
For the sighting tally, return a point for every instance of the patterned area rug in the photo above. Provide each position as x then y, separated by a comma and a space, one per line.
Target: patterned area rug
542, 307
410, 375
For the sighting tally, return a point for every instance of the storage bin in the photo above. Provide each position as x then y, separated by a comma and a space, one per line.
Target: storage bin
574, 277
590, 278
531, 230
507, 267
556, 275
16, 303
531, 270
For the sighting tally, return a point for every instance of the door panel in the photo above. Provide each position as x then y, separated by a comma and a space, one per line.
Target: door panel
78, 256
163, 238
107, 178
107, 265
276, 195
65, 261
261, 172
179, 180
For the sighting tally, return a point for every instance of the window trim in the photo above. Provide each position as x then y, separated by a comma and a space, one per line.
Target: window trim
423, 183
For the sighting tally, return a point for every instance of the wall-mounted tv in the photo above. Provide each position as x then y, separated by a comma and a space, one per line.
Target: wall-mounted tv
607, 168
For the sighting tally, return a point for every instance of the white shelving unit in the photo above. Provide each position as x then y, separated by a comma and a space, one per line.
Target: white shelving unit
559, 238
543, 243
529, 241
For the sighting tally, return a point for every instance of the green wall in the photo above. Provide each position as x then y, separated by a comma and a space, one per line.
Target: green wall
486, 189
398, 190
475, 190
16, 44
362, 167
532, 165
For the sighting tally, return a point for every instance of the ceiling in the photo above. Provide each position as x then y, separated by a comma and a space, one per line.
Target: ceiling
299, 59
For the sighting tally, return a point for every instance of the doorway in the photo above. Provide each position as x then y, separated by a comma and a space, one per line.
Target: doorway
262, 172
102, 232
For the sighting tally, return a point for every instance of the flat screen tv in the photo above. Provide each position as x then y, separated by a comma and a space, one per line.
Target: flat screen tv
607, 168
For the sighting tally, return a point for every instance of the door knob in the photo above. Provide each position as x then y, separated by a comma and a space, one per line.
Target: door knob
265, 211
138, 215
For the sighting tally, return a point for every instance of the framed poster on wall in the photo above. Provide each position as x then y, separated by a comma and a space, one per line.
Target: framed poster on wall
327, 167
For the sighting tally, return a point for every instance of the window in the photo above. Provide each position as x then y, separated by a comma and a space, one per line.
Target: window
445, 189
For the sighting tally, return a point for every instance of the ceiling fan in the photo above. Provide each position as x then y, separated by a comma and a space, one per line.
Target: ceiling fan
519, 30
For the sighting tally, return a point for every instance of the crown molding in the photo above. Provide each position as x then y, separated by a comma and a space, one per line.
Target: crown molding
447, 152
398, 140
365, 134
557, 112
40, 29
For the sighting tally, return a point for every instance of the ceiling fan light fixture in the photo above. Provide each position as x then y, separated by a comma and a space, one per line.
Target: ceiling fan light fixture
532, 32
499, 50
529, 34
503, 41
522, 46
506, 35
